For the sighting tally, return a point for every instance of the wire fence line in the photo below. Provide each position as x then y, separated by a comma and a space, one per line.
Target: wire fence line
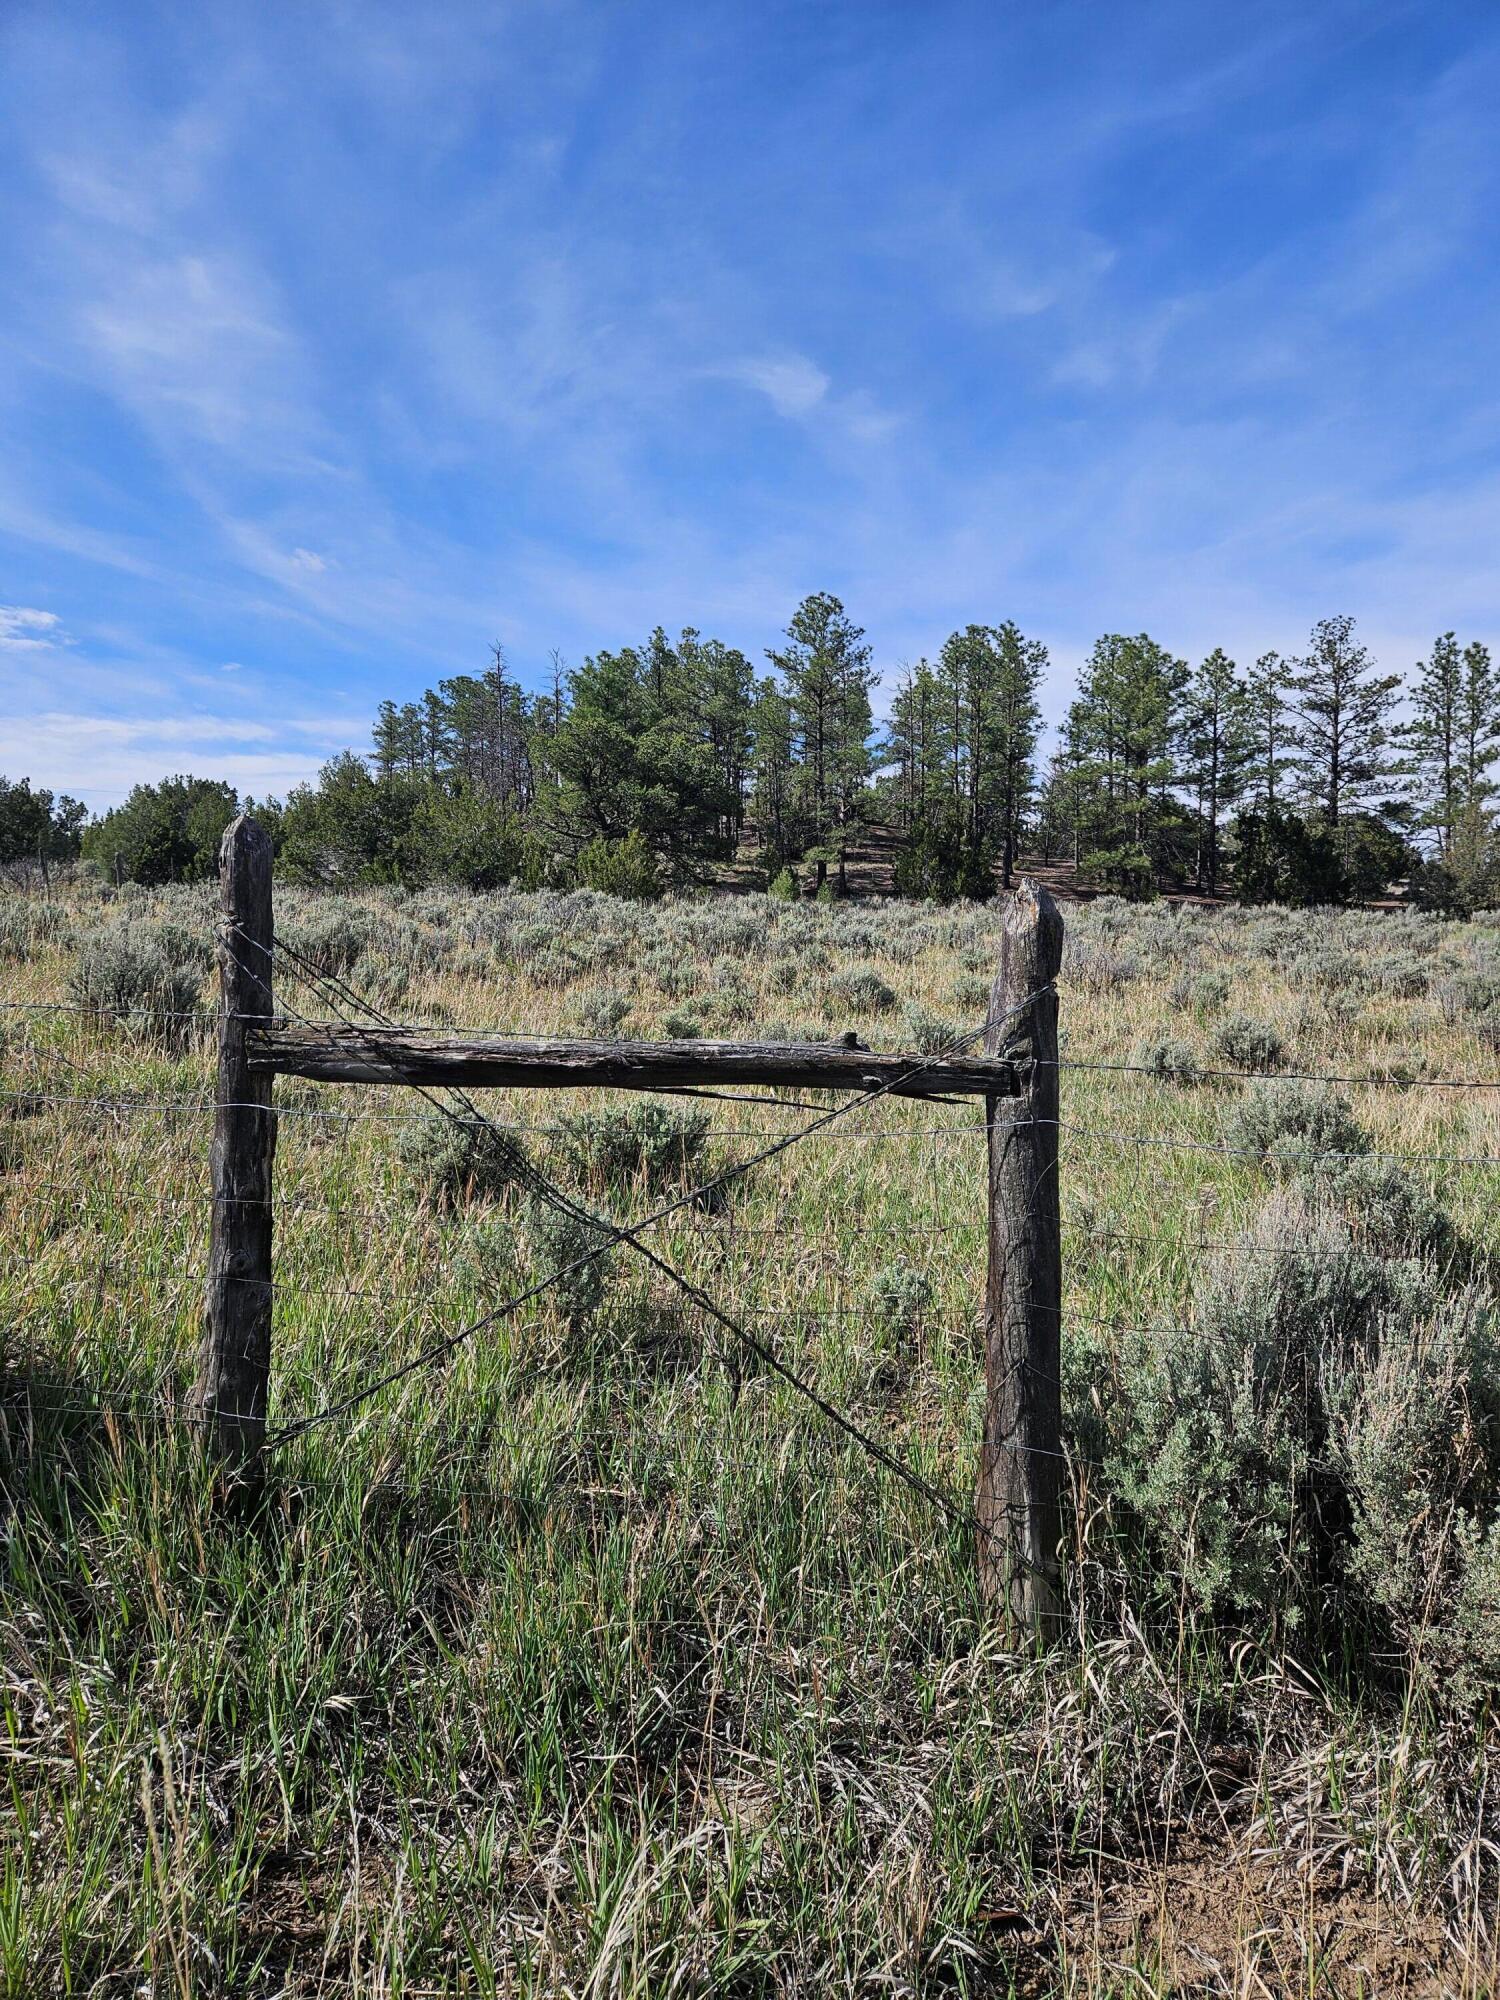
1170, 1142
335, 995
207, 1017
760, 1349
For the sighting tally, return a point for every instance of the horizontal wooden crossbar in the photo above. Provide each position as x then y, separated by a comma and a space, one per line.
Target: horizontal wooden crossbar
420, 1056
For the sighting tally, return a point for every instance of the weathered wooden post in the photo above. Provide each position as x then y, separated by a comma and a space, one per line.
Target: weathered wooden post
1019, 1511
229, 1400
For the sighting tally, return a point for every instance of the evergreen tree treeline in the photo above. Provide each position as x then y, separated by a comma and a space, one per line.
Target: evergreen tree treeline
656, 764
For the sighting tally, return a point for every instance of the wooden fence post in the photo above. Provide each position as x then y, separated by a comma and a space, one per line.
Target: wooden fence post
1019, 1510
229, 1399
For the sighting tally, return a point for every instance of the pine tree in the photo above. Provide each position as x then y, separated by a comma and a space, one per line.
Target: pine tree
917, 747
719, 688
1478, 724
387, 737
1218, 744
825, 667
1342, 764
1018, 721
772, 791
1430, 740
1123, 727
1274, 729
1063, 802
989, 676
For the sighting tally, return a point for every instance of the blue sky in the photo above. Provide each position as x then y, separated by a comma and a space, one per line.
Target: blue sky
338, 340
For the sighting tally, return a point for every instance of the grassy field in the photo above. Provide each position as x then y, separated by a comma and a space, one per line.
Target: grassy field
592, 1661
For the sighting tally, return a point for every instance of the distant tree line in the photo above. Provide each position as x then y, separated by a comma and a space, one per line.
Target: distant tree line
654, 765
1294, 770
35, 826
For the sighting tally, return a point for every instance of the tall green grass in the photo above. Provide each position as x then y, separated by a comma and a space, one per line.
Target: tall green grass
593, 1661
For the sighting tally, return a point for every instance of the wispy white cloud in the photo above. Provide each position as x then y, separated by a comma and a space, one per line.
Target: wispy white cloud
388, 338
792, 384
99, 758
24, 630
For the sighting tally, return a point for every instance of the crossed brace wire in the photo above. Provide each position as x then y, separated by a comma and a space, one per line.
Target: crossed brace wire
333, 992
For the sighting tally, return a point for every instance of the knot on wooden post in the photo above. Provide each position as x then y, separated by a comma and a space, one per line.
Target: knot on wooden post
1019, 1497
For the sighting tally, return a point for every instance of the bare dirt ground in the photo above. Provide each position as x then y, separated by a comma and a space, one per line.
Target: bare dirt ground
1211, 1917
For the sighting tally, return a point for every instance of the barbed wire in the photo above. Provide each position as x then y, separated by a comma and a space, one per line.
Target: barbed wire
1370, 1079
323, 983
207, 1016
757, 1347
899, 1135
204, 1106
1182, 1145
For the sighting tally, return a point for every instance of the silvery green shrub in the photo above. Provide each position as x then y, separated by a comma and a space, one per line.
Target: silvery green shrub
1169, 1060
1241, 1043
1417, 1442
1208, 992
1295, 1124
333, 933
1095, 969
1220, 1439
1386, 1208
928, 1033
1403, 978
861, 990
971, 995
27, 927
561, 1246
453, 1160
901, 1294
151, 975
650, 1145
792, 1031
598, 1010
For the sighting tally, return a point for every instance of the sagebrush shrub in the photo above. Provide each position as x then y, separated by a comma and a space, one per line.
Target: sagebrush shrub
1221, 1441
27, 927
673, 971
1295, 1124
573, 1252
901, 1294
1403, 978
598, 1010
1486, 1028
1241, 1043
1202, 993
1169, 1060
150, 975
649, 1145
1093, 968
928, 1033
728, 992
333, 933
785, 975
1417, 1443
791, 1031
377, 980
1386, 1209
862, 990
460, 1159
971, 995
